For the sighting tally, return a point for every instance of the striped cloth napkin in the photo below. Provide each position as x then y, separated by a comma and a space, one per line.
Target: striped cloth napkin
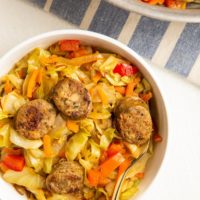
171, 45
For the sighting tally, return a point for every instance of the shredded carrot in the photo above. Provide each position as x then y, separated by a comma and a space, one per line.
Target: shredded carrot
93, 177
7, 87
146, 97
114, 149
111, 164
47, 146
121, 90
103, 181
81, 52
123, 167
140, 175
102, 95
3, 167
155, 2
49, 60
103, 156
74, 61
130, 87
96, 77
72, 126
32, 83
39, 76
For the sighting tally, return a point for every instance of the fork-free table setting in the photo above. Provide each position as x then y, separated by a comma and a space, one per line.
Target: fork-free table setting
170, 45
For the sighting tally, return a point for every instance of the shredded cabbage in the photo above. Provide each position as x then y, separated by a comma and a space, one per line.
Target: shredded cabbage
21, 141
75, 144
16, 81
12, 102
38, 193
34, 58
27, 178
139, 166
129, 193
48, 164
2, 114
62, 197
4, 136
87, 125
107, 138
34, 158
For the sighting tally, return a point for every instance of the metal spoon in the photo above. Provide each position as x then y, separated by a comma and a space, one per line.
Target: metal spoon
120, 181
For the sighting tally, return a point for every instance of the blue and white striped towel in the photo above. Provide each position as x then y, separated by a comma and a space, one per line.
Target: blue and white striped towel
171, 45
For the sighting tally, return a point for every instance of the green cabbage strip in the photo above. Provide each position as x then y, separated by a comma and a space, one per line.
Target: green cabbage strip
34, 58
27, 178
75, 144
5, 136
20, 141
107, 138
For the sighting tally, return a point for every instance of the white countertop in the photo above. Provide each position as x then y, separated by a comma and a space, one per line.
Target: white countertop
179, 177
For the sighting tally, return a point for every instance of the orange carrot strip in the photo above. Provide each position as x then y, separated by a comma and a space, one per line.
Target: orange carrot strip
96, 77
72, 126
93, 177
103, 181
32, 83
7, 87
102, 95
47, 146
146, 97
114, 149
81, 52
111, 164
123, 167
121, 90
39, 76
140, 175
130, 87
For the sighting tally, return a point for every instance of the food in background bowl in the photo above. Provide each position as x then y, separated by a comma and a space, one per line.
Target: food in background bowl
73, 117
176, 4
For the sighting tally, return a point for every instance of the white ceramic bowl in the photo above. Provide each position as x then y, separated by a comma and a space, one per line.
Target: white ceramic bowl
91, 38
159, 12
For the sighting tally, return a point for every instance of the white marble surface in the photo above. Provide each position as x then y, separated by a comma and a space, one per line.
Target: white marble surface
179, 178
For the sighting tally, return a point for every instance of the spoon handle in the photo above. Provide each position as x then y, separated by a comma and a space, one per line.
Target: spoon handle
120, 181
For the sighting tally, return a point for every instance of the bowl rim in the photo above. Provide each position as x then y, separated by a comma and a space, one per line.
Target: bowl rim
125, 48
158, 12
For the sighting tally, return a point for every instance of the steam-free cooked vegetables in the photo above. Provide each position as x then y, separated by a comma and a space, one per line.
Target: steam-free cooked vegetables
72, 119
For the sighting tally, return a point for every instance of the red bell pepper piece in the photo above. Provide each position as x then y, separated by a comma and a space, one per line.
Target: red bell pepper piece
69, 45
14, 162
125, 70
157, 138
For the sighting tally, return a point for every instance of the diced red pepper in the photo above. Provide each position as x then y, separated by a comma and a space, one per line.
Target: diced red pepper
69, 45
125, 70
14, 162
157, 138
